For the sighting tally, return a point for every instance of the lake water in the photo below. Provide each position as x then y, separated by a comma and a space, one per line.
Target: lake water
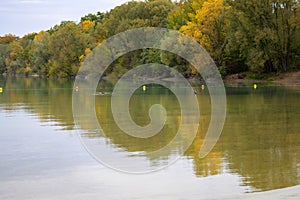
42, 157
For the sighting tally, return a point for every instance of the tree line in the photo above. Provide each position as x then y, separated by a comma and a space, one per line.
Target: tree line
256, 36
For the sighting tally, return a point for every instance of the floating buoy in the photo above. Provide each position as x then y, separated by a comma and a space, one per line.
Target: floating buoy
76, 89
144, 88
1, 90
255, 86
202, 87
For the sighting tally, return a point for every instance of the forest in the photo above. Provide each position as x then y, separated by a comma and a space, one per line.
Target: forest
255, 36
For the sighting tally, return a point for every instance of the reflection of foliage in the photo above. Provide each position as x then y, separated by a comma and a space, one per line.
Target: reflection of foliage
264, 139
260, 140
212, 164
50, 99
139, 107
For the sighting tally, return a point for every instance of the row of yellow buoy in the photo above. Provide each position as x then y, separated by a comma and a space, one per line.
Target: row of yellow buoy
1, 90
144, 88
77, 89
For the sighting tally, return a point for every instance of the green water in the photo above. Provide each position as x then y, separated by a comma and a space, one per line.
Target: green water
42, 157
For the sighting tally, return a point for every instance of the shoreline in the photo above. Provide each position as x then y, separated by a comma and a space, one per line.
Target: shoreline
285, 79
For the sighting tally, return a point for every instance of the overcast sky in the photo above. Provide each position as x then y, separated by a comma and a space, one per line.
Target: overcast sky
20, 17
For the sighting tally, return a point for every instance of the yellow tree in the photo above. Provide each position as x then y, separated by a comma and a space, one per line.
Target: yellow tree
208, 26
86, 25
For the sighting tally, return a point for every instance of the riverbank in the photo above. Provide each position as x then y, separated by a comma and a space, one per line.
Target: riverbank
291, 78
286, 79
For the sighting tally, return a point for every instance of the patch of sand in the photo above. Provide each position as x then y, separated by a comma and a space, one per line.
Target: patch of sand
291, 79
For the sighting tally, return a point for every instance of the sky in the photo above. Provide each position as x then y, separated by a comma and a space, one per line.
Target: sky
21, 17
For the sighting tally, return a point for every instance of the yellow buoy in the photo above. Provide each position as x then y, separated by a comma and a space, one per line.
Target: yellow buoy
1, 90
255, 86
144, 88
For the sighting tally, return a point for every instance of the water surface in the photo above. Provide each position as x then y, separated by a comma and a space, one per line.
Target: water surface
42, 156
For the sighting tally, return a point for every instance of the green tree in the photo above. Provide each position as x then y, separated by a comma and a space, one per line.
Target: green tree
6, 39
14, 61
98, 18
5, 51
135, 15
3, 55
183, 12
27, 42
263, 33
65, 48
40, 53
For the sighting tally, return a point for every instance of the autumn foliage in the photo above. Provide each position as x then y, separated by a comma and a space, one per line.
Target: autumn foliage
253, 35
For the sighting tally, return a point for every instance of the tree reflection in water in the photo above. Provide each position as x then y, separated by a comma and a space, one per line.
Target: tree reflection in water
260, 140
